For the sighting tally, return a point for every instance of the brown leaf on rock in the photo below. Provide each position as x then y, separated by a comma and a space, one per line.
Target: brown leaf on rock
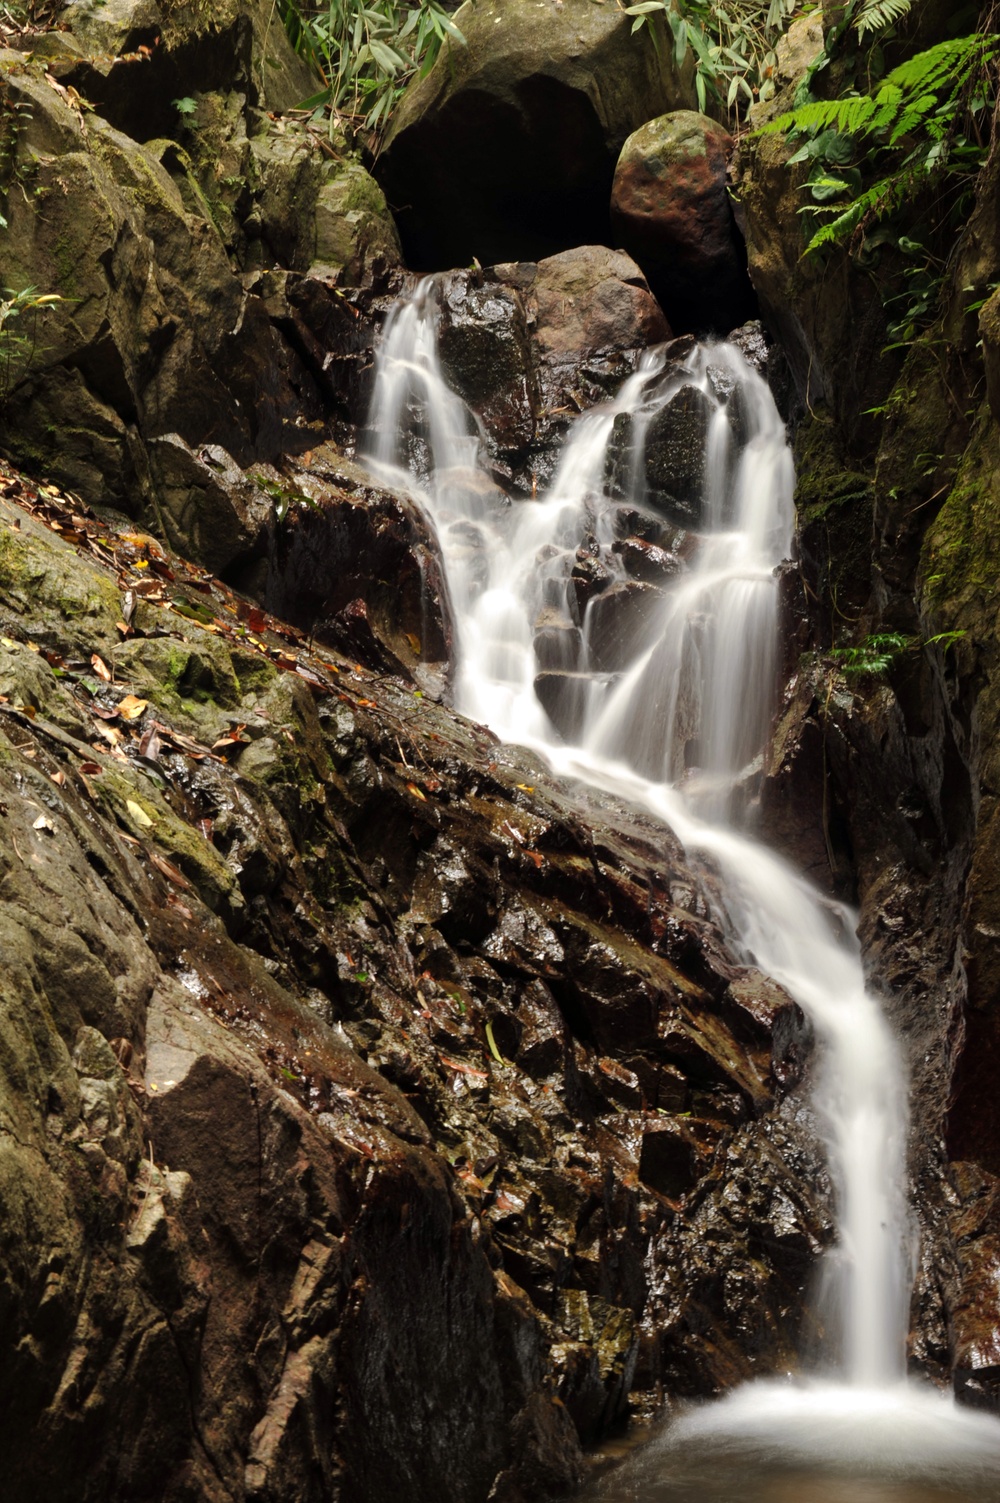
130, 708
100, 667
169, 871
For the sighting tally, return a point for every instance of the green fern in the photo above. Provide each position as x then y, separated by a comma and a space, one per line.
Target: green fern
874, 655
912, 124
876, 16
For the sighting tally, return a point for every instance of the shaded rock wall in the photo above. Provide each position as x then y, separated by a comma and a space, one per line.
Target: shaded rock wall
175, 243
879, 783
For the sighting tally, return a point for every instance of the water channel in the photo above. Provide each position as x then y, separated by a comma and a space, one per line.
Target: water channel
667, 705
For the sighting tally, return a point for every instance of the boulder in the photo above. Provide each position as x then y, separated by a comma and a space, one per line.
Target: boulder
506, 149
589, 315
171, 258
207, 504
620, 622
189, 49
670, 210
357, 566
673, 456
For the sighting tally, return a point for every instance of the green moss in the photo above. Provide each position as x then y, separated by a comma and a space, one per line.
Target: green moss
146, 815
363, 192
253, 671
835, 508
14, 571
200, 672
960, 562
40, 577
66, 259
823, 483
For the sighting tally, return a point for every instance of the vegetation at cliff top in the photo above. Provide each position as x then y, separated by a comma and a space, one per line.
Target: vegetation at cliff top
366, 52
922, 126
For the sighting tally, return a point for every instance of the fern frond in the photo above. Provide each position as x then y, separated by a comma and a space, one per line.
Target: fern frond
877, 15
875, 203
946, 65
851, 116
912, 116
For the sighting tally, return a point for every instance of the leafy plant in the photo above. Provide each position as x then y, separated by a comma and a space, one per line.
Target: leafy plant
732, 44
19, 317
282, 499
921, 126
875, 655
876, 16
366, 52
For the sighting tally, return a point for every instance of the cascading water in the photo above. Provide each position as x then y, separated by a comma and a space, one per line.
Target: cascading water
669, 709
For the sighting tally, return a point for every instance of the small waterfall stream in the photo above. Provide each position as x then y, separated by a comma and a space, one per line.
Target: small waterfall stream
662, 695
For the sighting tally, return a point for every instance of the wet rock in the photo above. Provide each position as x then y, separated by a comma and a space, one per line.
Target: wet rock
670, 210
483, 343
620, 621
558, 643
506, 149
645, 561
668, 1162
672, 462
598, 1368
396, 1011
563, 696
357, 566
675, 455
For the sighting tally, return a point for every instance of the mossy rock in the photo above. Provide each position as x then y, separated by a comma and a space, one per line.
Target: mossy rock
140, 808
835, 517
43, 590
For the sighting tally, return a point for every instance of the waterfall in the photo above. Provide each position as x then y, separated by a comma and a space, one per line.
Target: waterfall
662, 695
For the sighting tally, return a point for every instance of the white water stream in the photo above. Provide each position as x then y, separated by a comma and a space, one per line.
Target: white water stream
665, 702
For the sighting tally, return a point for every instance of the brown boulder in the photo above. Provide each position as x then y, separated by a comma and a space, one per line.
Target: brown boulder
670, 210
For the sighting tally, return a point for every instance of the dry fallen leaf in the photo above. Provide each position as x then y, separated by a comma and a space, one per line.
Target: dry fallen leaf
130, 708
138, 814
169, 870
109, 732
100, 667
41, 823
417, 792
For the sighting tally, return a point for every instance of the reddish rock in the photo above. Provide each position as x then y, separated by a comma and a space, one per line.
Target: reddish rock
671, 211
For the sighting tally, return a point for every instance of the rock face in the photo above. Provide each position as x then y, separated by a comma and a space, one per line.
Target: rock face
357, 566
806, 303
176, 260
670, 210
506, 150
881, 781
528, 346
369, 1109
